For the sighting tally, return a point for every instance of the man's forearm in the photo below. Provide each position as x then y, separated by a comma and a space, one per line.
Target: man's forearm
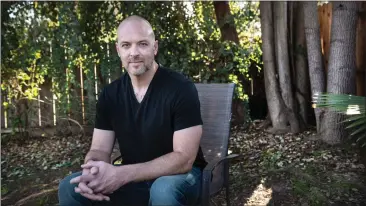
169, 164
97, 155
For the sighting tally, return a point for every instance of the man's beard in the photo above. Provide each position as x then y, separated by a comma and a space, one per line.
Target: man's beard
140, 71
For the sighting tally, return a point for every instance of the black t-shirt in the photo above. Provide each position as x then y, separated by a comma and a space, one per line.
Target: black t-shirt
145, 130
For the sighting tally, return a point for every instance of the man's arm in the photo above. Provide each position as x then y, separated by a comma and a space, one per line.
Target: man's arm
102, 145
103, 135
185, 147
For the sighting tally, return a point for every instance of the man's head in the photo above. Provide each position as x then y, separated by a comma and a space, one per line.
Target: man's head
136, 45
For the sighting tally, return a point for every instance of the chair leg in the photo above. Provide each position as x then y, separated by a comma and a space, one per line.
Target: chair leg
227, 195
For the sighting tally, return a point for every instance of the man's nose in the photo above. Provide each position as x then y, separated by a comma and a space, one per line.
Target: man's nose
134, 51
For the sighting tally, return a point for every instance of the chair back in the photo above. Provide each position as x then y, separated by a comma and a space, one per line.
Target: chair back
216, 104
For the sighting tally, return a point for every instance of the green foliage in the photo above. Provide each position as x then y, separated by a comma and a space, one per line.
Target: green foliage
54, 41
352, 106
4, 190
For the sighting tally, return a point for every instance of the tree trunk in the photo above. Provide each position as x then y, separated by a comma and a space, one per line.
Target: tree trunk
283, 63
301, 76
274, 99
47, 102
225, 21
314, 54
342, 64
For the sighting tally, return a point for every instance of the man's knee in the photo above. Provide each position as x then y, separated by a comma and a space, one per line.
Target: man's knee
65, 185
165, 190
174, 190
66, 191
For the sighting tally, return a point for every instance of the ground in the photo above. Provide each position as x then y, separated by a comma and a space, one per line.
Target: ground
272, 170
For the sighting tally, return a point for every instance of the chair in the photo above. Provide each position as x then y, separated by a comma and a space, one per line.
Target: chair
216, 103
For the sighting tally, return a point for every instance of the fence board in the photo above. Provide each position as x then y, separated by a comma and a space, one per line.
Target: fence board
3, 98
325, 18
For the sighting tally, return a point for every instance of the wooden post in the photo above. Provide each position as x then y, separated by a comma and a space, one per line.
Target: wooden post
46, 103
75, 97
3, 117
361, 51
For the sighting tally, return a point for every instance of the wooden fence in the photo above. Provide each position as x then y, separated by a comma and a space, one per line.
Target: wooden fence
325, 19
43, 111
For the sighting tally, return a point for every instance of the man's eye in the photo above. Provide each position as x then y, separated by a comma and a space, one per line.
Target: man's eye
143, 44
124, 45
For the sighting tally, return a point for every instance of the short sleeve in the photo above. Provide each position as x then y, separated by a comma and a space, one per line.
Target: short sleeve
102, 116
186, 108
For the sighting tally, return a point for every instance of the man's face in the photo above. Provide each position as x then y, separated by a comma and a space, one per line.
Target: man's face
136, 47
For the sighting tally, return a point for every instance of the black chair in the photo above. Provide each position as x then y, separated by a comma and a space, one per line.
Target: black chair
216, 104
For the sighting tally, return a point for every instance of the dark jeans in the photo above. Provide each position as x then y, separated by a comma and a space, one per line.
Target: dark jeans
174, 190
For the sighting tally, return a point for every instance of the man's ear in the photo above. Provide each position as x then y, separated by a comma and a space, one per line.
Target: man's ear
156, 46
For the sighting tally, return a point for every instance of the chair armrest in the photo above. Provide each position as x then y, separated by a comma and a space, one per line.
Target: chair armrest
211, 165
207, 177
115, 159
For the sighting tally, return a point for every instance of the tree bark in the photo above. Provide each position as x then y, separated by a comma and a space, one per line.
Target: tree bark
274, 99
314, 54
342, 64
283, 63
46, 104
225, 21
301, 76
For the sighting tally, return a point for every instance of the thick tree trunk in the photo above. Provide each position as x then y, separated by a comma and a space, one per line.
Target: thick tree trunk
274, 100
283, 63
301, 76
314, 54
225, 21
342, 64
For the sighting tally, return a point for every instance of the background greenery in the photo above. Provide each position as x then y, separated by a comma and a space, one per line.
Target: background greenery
46, 42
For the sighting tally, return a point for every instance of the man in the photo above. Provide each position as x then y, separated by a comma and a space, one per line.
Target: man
155, 115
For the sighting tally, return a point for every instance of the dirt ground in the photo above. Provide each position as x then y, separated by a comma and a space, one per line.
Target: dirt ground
272, 170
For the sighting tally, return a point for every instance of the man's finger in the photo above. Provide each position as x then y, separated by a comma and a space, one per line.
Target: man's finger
82, 178
100, 190
75, 180
93, 184
92, 197
77, 190
94, 170
96, 197
90, 164
84, 188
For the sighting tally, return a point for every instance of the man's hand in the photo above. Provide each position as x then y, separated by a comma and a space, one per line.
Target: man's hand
85, 191
106, 181
82, 188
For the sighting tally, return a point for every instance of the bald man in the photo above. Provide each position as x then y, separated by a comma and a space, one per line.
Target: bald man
154, 113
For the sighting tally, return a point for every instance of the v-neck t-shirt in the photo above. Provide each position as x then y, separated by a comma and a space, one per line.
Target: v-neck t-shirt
145, 130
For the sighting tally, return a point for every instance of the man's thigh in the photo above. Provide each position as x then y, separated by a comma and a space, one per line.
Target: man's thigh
130, 195
183, 189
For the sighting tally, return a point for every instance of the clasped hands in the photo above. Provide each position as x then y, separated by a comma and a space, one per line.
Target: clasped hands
98, 179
